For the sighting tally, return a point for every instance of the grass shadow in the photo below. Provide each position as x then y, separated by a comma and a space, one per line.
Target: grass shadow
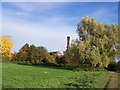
52, 66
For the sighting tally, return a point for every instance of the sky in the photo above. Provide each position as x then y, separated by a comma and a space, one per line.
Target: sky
60, 0
48, 23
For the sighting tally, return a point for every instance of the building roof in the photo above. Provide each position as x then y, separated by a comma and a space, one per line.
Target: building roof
57, 53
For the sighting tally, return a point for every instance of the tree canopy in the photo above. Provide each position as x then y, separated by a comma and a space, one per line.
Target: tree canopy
6, 45
96, 45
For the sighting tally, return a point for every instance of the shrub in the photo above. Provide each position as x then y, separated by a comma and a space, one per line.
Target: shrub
112, 66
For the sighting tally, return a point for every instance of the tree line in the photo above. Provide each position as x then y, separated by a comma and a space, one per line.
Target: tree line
30, 54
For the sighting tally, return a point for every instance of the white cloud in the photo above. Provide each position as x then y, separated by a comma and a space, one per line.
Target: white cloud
101, 13
36, 6
21, 13
50, 32
52, 37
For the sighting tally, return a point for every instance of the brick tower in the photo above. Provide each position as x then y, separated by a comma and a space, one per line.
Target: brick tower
68, 42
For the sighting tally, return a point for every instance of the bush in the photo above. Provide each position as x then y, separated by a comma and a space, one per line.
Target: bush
118, 67
5, 59
85, 68
112, 66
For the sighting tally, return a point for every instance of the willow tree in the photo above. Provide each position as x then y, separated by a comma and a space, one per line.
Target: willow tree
96, 45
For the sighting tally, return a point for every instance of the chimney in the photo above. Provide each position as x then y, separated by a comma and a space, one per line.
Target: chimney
68, 42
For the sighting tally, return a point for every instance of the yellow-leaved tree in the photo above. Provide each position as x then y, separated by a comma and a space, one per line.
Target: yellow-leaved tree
6, 45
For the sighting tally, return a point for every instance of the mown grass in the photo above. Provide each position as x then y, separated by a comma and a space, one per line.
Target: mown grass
24, 76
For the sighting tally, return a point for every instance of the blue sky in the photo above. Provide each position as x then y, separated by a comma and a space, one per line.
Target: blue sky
48, 24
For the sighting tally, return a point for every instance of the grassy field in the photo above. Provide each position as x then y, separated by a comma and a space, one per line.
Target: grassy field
24, 76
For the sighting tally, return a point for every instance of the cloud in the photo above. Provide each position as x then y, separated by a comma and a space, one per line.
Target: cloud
99, 12
49, 31
52, 37
21, 13
105, 13
36, 6
28, 25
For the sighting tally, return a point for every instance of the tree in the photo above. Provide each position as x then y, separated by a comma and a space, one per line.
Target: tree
6, 45
68, 56
23, 54
49, 59
40, 54
100, 39
32, 54
96, 45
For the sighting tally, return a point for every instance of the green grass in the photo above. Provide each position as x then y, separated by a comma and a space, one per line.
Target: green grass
24, 76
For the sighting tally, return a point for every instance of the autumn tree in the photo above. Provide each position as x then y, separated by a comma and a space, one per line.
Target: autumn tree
22, 55
33, 55
6, 45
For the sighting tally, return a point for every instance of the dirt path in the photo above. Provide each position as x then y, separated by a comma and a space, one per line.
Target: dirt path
112, 81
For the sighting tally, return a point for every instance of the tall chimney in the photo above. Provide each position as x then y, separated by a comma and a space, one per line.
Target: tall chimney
68, 41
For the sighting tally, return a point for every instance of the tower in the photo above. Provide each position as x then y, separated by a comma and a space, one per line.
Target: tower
68, 42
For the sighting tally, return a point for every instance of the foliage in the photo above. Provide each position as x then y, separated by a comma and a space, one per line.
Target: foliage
33, 55
23, 54
96, 45
113, 66
6, 45
50, 58
118, 67
68, 57
118, 51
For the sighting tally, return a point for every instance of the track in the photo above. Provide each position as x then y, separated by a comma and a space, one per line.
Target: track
112, 82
